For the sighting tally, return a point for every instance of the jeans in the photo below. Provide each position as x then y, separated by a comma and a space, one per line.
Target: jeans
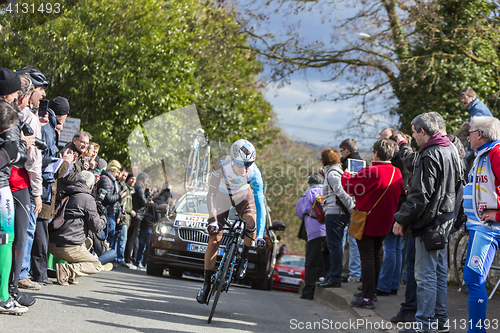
142, 253
354, 260
108, 256
335, 225
121, 241
410, 303
390, 272
431, 276
111, 230
26, 266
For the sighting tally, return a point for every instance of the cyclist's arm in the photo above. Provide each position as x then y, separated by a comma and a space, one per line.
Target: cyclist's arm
213, 189
258, 194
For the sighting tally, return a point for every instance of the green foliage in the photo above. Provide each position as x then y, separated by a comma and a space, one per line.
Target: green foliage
456, 47
123, 62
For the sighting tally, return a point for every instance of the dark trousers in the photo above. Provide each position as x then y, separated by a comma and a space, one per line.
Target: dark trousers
335, 225
314, 253
132, 233
22, 206
410, 303
39, 259
369, 252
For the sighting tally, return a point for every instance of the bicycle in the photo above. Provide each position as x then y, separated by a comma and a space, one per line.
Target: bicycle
222, 279
459, 260
197, 170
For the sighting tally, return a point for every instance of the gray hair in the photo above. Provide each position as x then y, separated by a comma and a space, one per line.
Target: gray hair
78, 135
349, 144
86, 177
142, 177
426, 122
439, 120
489, 126
315, 178
384, 149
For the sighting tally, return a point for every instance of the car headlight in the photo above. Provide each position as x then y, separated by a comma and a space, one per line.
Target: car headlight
165, 229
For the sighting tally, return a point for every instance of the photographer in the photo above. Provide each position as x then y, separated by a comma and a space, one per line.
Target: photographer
69, 241
8, 154
109, 182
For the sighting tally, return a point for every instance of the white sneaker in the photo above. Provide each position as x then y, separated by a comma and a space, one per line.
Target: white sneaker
12, 307
352, 279
141, 268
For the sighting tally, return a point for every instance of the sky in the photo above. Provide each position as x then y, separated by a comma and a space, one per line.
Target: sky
320, 123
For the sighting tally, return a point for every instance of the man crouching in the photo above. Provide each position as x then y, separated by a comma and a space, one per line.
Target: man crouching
69, 241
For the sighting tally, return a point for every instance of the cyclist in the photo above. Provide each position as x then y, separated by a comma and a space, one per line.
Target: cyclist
230, 186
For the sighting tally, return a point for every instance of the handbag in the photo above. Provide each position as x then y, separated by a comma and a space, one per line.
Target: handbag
434, 239
358, 217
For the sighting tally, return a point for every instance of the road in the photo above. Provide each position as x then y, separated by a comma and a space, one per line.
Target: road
131, 301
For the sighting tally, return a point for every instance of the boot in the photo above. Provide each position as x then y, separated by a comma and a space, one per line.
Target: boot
205, 288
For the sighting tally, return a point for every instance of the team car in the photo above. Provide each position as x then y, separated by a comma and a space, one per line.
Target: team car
289, 272
179, 241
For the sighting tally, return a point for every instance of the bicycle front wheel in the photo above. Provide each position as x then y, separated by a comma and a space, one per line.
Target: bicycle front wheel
222, 277
459, 256
191, 170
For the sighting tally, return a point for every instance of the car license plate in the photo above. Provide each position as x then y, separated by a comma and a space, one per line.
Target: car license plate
290, 281
202, 248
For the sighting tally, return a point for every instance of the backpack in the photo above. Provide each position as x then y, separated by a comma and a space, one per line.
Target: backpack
317, 208
59, 210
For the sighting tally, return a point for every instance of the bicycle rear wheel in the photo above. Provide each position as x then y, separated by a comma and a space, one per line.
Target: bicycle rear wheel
191, 171
222, 279
459, 256
204, 172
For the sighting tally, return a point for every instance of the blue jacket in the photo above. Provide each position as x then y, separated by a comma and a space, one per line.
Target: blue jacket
477, 108
50, 136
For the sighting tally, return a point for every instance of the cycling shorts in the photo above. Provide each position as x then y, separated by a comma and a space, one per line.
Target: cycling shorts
244, 203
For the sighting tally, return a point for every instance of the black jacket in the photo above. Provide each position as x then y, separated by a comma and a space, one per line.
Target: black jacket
152, 215
113, 188
80, 216
139, 200
431, 201
13, 134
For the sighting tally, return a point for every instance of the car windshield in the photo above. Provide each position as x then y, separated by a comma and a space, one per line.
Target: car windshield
293, 261
193, 204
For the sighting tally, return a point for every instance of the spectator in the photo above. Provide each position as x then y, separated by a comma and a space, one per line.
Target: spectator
348, 150
100, 248
92, 154
336, 218
78, 146
69, 242
127, 182
381, 186
438, 173
390, 272
114, 194
57, 113
481, 198
139, 201
316, 234
151, 216
9, 153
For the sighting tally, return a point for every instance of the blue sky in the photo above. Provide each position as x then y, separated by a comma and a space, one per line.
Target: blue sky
321, 122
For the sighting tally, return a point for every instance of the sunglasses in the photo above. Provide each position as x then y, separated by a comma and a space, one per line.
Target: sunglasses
242, 164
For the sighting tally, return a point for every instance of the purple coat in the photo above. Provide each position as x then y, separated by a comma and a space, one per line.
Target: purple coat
303, 207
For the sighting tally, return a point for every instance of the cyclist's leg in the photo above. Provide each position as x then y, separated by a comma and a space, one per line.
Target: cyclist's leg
245, 206
212, 247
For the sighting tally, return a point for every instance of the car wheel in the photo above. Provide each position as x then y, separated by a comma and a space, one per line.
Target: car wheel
175, 273
154, 269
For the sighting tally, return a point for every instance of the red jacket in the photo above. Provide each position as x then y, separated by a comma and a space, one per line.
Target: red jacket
367, 186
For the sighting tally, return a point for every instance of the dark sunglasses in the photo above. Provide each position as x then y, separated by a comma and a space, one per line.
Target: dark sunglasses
242, 164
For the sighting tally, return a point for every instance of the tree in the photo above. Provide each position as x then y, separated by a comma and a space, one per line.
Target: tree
421, 51
123, 62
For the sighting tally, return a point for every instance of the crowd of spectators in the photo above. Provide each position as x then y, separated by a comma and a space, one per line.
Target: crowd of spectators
61, 204
412, 199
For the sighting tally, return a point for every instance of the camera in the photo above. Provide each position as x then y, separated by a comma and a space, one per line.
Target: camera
43, 108
101, 194
28, 131
4, 238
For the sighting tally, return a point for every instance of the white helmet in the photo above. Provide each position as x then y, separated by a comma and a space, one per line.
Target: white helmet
243, 153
